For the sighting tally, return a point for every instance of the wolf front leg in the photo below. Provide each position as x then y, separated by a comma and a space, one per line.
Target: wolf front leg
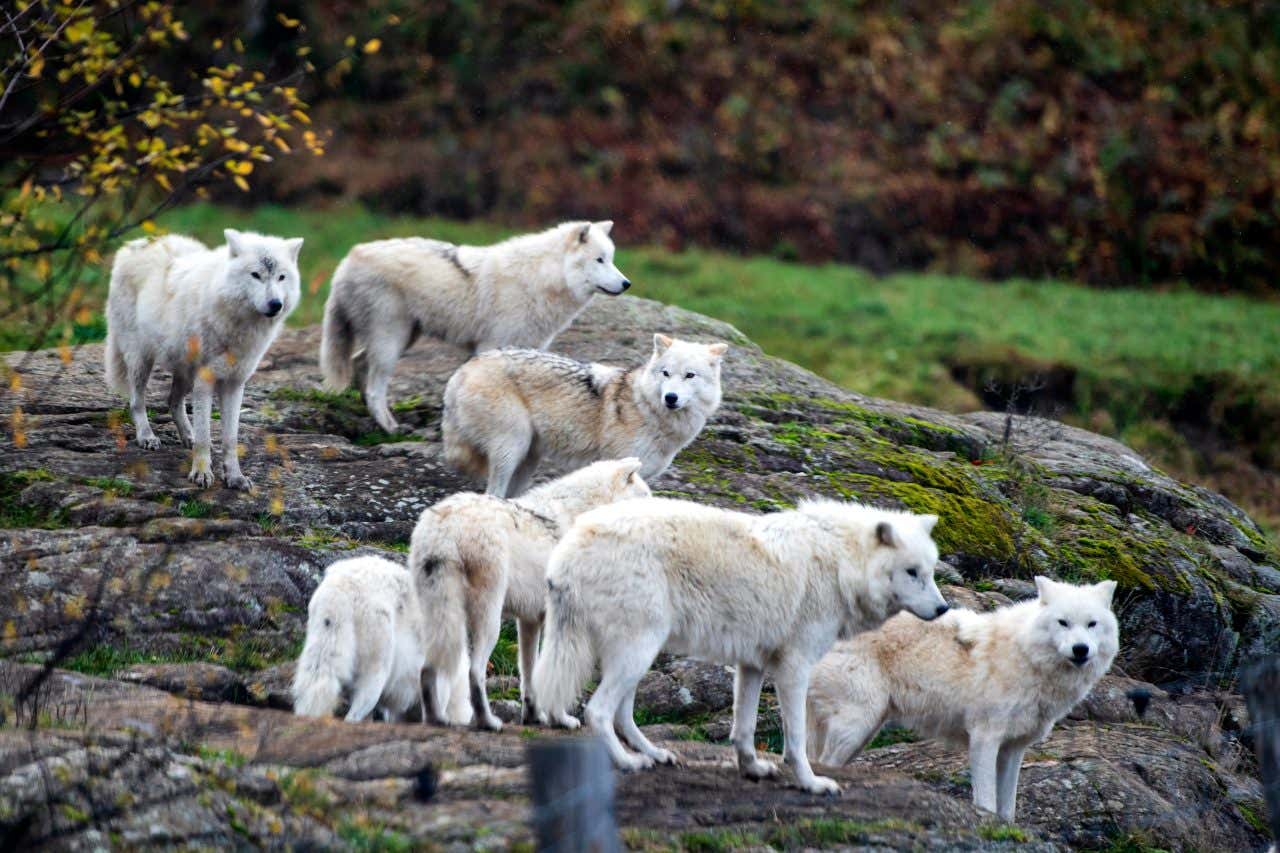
202, 414
1008, 766
231, 394
984, 750
747, 680
793, 687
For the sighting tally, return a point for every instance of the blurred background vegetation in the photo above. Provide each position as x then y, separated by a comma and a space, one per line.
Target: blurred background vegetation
845, 181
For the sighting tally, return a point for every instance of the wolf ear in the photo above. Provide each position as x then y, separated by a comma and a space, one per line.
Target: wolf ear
629, 468
605, 227
1044, 588
294, 246
718, 350
582, 235
885, 535
661, 343
927, 523
1106, 591
234, 245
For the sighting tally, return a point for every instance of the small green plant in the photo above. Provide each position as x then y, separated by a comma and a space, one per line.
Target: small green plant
373, 838
889, 735
1003, 832
112, 486
225, 756
195, 508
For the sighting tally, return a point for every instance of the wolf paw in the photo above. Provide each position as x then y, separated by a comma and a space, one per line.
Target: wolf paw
185, 440
492, 724
239, 481
666, 756
759, 769
148, 442
820, 785
568, 721
203, 479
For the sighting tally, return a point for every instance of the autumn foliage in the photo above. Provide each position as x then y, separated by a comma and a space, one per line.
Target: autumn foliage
1108, 141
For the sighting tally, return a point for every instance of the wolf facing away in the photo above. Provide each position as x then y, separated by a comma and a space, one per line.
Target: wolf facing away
206, 315
766, 593
998, 681
507, 410
518, 293
474, 557
366, 633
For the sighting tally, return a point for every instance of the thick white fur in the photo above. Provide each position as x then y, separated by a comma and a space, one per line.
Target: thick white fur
475, 557
768, 593
997, 681
521, 292
201, 314
366, 634
507, 410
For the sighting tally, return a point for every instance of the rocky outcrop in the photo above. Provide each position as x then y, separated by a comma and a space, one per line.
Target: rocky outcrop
114, 563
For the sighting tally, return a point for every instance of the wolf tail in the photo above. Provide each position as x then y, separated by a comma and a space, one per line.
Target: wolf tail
327, 661
117, 370
567, 656
337, 340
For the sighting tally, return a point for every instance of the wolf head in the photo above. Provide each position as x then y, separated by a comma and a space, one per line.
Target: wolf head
263, 272
595, 485
683, 374
1074, 625
889, 561
588, 263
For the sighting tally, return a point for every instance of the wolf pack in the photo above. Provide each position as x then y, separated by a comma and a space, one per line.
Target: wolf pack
835, 602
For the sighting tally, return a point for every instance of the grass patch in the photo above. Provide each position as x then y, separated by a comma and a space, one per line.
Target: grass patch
890, 735
225, 756
831, 832
195, 508
374, 838
1003, 832
112, 486
243, 654
14, 513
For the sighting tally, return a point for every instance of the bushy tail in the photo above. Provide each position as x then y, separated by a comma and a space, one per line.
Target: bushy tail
566, 659
327, 661
336, 341
117, 370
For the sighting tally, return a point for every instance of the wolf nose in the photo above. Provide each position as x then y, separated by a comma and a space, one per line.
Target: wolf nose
273, 307
626, 284
942, 608
671, 400
1080, 650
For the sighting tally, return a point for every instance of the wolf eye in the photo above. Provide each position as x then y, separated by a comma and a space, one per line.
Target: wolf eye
689, 375
599, 260
666, 374
1063, 623
256, 276
280, 277
1093, 623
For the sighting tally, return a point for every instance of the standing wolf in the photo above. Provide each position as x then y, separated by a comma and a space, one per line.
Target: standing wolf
767, 593
474, 557
506, 410
206, 315
366, 633
999, 680
521, 292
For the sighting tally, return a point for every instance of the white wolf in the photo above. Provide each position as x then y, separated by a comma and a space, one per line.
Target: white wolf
506, 410
206, 315
997, 680
474, 557
521, 292
366, 633
767, 593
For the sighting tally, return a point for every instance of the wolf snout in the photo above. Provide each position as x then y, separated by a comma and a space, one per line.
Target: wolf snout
672, 401
626, 284
942, 608
273, 307
1079, 654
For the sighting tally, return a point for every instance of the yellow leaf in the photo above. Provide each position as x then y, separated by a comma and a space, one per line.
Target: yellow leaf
149, 226
163, 181
373, 46
36, 68
241, 183
286, 21
135, 79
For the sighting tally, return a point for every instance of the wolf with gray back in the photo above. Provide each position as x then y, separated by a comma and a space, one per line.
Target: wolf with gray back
507, 410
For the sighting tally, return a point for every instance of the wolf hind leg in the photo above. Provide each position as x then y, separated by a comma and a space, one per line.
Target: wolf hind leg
139, 373
625, 722
622, 665
506, 454
368, 688
178, 392
379, 362
523, 475
847, 732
